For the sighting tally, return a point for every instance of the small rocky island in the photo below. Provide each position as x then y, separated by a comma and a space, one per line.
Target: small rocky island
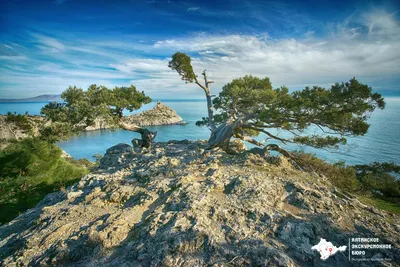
159, 115
22, 126
177, 204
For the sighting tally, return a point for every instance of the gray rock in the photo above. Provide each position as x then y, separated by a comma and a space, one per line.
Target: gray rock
101, 123
237, 145
72, 195
159, 115
10, 130
172, 205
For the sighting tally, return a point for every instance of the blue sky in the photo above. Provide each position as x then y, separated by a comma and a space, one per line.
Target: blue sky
45, 46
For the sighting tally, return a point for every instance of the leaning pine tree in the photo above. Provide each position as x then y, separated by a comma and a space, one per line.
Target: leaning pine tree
249, 106
182, 64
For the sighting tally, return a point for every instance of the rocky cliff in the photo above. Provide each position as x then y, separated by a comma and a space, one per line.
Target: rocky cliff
159, 115
10, 130
102, 123
178, 205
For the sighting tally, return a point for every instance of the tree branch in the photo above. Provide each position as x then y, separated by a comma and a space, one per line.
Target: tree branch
207, 82
249, 139
267, 133
206, 90
280, 150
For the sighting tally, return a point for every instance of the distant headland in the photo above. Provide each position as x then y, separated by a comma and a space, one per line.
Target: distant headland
39, 98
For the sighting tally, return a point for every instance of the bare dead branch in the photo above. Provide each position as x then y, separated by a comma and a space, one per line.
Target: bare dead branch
146, 135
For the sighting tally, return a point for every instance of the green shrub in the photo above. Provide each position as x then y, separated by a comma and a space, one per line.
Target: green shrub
384, 183
339, 174
20, 120
382, 177
377, 182
56, 131
29, 170
97, 157
55, 111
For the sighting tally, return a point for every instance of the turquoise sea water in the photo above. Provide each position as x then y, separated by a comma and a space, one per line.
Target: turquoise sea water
381, 143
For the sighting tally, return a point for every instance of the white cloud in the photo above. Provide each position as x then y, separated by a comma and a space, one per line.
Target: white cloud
289, 61
7, 46
365, 46
380, 22
49, 44
349, 52
142, 65
18, 58
193, 8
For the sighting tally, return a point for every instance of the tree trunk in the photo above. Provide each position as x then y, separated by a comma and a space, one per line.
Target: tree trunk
210, 112
210, 109
147, 136
224, 133
227, 130
119, 112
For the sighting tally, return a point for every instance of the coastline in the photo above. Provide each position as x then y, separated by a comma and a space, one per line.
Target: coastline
376, 145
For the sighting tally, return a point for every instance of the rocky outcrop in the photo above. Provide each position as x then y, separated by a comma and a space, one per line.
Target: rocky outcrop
101, 123
178, 205
159, 115
10, 130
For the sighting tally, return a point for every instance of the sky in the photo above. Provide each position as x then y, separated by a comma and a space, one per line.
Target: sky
45, 46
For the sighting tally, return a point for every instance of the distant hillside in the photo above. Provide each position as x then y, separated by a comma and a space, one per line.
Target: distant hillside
35, 99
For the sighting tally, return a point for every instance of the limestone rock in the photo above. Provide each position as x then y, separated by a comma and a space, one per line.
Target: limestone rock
64, 154
237, 145
159, 115
173, 205
101, 123
11, 130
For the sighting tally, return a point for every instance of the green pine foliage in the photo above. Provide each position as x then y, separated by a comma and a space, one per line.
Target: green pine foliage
31, 169
249, 106
20, 120
80, 108
381, 177
182, 64
338, 112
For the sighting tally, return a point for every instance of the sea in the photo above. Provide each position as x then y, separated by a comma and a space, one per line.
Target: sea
381, 143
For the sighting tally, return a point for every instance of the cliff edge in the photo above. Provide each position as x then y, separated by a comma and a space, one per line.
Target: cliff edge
178, 205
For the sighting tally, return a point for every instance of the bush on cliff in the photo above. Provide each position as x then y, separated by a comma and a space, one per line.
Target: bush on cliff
383, 178
339, 175
29, 170
378, 183
56, 131
20, 120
